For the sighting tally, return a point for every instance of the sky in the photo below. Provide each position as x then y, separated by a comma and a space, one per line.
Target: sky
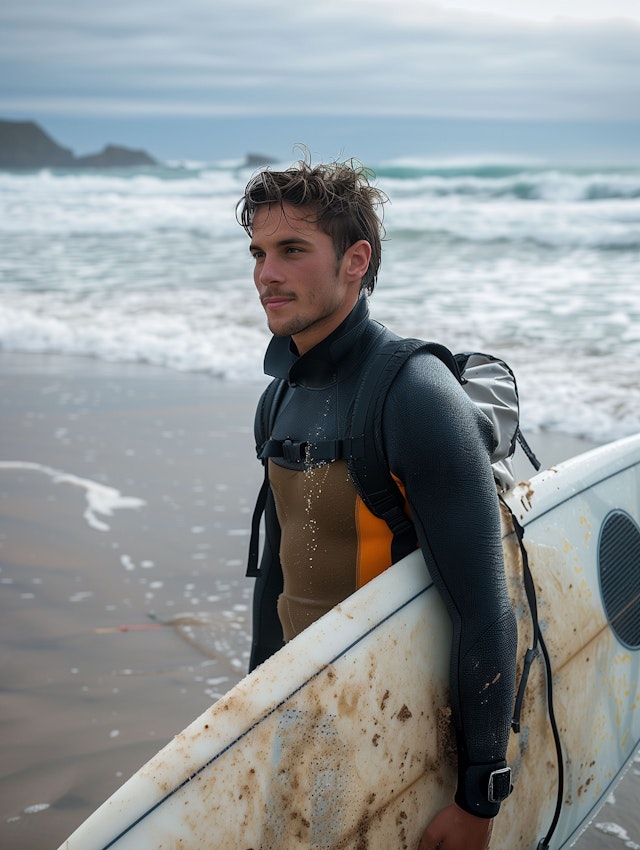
215, 78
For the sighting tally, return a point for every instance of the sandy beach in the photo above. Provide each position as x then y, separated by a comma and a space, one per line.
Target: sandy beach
125, 500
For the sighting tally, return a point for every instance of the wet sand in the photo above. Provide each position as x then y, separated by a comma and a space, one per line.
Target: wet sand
125, 501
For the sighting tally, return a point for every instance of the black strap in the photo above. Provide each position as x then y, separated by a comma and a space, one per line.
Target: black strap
543, 844
265, 417
253, 570
370, 471
319, 451
534, 650
530, 655
266, 413
526, 448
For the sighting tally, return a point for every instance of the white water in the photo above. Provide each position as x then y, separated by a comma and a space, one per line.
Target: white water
539, 266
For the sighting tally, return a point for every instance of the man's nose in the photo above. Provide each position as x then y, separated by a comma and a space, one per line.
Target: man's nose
270, 271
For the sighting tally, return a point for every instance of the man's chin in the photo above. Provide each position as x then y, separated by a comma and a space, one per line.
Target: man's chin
286, 328
277, 331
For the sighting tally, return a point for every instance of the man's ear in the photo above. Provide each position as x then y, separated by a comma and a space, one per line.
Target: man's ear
356, 259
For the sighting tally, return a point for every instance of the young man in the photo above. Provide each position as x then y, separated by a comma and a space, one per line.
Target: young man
316, 241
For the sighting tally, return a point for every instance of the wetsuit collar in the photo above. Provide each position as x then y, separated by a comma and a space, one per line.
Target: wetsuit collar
316, 368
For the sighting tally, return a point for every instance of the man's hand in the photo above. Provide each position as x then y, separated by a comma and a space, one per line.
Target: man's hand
454, 829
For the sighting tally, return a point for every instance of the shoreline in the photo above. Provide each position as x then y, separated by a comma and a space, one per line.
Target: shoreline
125, 503
126, 494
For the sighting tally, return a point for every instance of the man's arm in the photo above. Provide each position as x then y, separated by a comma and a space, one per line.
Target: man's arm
441, 453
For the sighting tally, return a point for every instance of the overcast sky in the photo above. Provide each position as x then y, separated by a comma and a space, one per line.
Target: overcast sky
506, 59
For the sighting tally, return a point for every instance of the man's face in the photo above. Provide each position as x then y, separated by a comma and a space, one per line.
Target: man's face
305, 290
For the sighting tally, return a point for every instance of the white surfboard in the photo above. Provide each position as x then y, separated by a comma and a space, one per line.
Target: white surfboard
343, 738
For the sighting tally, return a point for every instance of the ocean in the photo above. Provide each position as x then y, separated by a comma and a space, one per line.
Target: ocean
535, 263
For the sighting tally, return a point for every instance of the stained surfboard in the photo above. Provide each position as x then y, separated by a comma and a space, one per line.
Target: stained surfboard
343, 738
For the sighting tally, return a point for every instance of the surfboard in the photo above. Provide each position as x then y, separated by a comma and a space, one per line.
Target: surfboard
343, 738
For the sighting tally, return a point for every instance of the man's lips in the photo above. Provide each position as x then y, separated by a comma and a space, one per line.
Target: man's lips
274, 302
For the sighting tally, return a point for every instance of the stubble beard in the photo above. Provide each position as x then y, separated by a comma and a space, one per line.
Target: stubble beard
293, 326
301, 323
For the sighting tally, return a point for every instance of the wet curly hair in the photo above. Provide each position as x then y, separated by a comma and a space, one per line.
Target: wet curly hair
339, 197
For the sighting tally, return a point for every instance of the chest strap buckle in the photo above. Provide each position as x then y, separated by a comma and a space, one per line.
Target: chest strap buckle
294, 452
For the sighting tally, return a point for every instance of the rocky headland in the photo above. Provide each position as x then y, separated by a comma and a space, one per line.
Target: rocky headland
25, 145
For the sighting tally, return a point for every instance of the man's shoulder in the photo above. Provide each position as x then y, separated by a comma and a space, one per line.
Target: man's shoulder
425, 386
423, 368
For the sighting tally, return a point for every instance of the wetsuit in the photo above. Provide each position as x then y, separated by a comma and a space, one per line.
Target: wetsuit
322, 544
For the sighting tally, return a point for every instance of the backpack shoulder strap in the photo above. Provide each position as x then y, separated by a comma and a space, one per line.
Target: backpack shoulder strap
267, 411
369, 470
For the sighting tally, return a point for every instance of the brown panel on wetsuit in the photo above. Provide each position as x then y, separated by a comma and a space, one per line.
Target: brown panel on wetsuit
319, 545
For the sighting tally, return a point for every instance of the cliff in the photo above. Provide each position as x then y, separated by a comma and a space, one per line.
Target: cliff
23, 144
113, 156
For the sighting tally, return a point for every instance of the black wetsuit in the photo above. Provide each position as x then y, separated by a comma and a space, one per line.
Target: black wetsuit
438, 446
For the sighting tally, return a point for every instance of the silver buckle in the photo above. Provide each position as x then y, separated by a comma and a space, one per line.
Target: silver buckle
499, 785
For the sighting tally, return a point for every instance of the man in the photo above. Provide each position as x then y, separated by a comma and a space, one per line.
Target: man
316, 242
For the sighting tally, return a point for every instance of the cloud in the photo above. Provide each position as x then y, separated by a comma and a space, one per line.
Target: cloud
196, 57
549, 10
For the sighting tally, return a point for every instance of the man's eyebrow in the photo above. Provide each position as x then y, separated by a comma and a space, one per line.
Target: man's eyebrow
282, 243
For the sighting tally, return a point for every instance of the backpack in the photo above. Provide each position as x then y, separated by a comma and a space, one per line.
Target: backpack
487, 380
